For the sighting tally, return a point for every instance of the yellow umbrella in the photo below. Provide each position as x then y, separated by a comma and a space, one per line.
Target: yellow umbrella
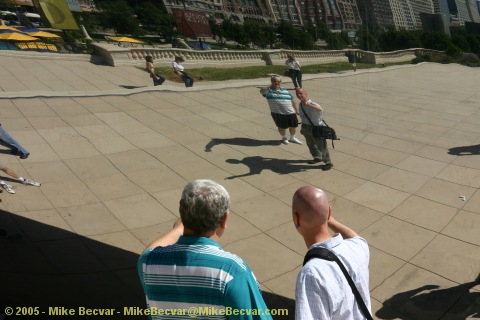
17, 36
8, 28
125, 39
43, 34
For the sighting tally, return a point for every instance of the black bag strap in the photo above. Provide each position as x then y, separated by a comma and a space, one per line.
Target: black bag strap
325, 254
306, 115
311, 123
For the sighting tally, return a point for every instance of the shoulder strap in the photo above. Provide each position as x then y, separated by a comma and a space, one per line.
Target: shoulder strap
311, 123
306, 115
325, 254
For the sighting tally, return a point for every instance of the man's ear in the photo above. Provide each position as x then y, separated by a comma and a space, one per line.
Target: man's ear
296, 219
329, 212
223, 224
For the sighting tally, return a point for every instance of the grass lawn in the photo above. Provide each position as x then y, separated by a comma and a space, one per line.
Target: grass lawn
220, 74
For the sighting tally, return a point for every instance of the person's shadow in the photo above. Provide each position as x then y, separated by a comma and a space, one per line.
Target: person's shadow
465, 150
247, 142
281, 166
428, 302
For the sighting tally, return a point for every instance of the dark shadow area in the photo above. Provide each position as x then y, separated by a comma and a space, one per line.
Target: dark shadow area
98, 60
429, 302
281, 166
132, 87
6, 151
48, 267
280, 303
465, 150
246, 142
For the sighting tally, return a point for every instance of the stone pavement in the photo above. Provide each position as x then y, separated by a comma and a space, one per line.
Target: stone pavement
113, 154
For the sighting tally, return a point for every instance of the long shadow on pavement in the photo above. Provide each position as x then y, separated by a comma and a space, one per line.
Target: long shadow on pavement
257, 164
48, 267
246, 142
429, 302
465, 150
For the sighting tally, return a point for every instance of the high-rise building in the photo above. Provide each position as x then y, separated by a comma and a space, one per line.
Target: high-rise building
421, 6
472, 7
288, 10
376, 14
403, 16
350, 15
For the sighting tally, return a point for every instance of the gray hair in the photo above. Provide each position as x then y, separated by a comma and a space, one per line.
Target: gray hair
203, 205
276, 77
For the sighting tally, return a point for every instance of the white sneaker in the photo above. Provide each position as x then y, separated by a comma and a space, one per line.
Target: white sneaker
31, 183
285, 140
8, 188
295, 140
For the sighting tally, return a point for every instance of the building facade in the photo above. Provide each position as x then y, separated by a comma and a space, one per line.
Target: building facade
350, 15
421, 6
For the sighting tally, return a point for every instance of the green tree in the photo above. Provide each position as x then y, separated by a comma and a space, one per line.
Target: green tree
154, 20
453, 51
267, 35
391, 40
367, 40
7, 5
461, 42
120, 17
294, 37
336, 41
435, 40
217, 31
235, 32
474, 42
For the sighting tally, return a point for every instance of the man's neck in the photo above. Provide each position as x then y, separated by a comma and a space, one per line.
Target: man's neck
210, 234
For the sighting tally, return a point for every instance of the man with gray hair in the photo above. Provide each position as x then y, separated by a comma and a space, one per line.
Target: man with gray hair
186, 270
283, 109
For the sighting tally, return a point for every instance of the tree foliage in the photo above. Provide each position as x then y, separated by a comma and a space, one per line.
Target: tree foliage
120, 17
294, 37
154, 20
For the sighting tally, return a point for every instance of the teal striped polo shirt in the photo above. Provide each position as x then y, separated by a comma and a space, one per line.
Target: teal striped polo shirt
197, 274
280, 101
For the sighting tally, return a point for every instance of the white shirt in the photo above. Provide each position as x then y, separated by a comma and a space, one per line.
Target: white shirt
315, 116
177, 66
322, 291
293, 64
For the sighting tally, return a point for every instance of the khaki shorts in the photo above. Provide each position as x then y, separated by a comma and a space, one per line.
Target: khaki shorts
3, 165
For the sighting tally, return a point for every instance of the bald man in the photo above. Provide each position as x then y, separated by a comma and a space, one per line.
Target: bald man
322, 291
311, 114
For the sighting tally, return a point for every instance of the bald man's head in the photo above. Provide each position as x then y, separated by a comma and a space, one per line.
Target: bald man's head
311, 206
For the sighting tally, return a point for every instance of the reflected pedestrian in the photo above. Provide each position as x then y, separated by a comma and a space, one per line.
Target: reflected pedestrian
157, 78
295, 72
283, 109
16, 148
311, 114
19, 178
179, 70
352, 59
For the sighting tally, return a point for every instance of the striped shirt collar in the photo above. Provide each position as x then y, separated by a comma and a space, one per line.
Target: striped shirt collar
200, 241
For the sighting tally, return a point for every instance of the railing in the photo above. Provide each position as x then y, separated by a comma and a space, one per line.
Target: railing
114, 55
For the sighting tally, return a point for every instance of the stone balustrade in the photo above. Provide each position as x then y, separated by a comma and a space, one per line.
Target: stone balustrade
114, 56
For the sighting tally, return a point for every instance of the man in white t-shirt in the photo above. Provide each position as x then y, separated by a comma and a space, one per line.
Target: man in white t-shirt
322, 291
